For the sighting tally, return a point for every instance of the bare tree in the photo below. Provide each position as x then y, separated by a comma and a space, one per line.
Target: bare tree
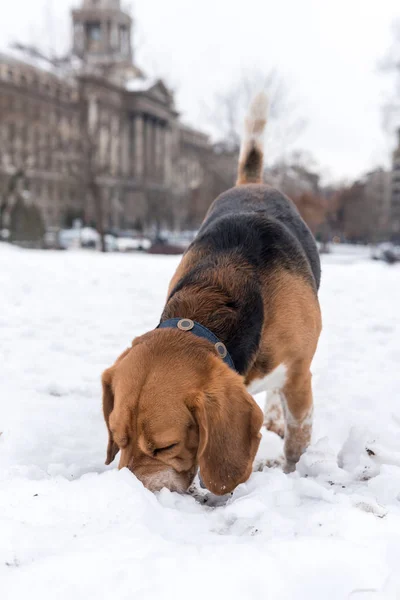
17, 158
10, 178
89, 161
228, 110
391, 65
298, 176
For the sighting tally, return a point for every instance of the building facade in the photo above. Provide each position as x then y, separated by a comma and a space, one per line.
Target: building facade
395, 192
96, 127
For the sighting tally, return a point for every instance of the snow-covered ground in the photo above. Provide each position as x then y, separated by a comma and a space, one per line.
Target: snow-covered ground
71, 528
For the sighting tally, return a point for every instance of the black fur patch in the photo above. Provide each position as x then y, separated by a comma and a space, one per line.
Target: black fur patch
236, 318
252, 166
266, 226
257, 229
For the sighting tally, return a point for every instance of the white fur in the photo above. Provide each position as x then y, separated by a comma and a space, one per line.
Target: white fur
258, 111
273, 405
291, 420
167, 478
253, 134
271, 382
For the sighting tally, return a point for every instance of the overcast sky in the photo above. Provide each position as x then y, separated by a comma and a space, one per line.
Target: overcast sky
327, 51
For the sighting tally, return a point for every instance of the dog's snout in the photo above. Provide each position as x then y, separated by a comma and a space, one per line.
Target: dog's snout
166, 478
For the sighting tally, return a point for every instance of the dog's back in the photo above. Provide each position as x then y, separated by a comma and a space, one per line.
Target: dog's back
255, 219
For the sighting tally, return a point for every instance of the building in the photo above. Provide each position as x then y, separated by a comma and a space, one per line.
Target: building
395, 193
365, 208
93, 138
377, 202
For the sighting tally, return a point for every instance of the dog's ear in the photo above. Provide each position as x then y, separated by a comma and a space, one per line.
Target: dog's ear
229, 422
108, 406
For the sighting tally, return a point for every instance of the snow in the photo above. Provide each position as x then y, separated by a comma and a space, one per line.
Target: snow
72, 528
140, 84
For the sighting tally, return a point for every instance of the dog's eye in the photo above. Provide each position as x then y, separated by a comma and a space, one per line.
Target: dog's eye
158, 450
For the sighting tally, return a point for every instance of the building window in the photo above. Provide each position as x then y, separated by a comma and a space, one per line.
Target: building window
94, 31
18, 103
11, 133
24, 134
49, 154
124, 39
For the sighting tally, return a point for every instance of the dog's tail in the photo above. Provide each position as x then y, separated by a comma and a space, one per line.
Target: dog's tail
251, 160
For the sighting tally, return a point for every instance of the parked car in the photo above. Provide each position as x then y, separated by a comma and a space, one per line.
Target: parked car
51, 239
387, 252
4, 235
128, 244
87, 237
162, 245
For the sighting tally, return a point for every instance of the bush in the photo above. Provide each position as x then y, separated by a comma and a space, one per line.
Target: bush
26, 224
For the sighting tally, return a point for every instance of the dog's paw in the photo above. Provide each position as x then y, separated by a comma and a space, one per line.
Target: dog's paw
289, 466
277, 427
258, 465
270, 463
276, 463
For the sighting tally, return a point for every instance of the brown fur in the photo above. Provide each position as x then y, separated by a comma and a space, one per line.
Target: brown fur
291, 327
171, 388
290, 336
251, 167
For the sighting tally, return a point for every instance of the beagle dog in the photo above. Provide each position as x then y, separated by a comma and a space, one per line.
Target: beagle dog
242, 316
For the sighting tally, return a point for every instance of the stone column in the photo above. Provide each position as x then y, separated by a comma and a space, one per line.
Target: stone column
115, 142
157, 142
139, 148
168, 151
161, 132
161, 155
105, 40
130, 52
114, 37
149, 150
126, 157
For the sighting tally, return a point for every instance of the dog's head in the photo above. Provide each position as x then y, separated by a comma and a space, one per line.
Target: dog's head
171, 405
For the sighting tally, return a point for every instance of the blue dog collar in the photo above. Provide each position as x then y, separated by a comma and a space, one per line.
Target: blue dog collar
201, 332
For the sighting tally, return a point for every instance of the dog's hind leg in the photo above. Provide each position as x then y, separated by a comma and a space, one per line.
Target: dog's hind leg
273, 413
297, 403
